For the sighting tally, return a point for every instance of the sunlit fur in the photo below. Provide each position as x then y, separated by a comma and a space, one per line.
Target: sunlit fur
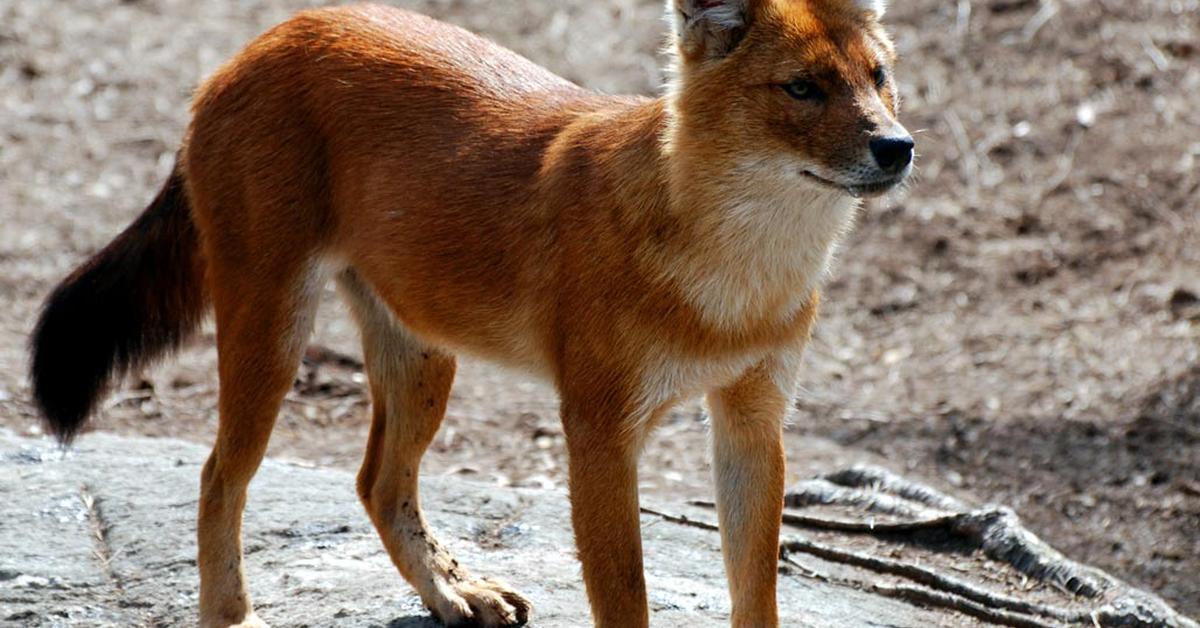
633, 251
878, 7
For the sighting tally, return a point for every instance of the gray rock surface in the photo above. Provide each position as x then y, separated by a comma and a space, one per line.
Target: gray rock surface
104, 535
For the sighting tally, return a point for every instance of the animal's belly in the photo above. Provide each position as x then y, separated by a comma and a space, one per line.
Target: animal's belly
496, 326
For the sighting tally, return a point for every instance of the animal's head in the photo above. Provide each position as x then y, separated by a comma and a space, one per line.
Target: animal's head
803, 83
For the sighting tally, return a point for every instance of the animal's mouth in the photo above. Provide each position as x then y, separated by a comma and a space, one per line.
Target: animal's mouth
858, 190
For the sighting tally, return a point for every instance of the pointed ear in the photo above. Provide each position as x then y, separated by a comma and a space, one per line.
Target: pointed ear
878, 7
709, 28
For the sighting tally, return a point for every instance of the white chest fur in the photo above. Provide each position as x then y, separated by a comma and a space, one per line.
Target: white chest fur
670, 376
770, 246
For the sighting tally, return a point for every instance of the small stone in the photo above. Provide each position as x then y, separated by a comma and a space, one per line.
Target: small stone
26, 581
1086, 115
1184, 303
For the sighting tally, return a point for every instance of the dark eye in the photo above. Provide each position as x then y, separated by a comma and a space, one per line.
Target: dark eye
801, 89
880, 77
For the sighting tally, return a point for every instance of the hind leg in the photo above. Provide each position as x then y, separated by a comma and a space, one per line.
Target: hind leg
410, 384
262, 327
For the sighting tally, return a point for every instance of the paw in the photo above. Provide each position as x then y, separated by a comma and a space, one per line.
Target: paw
479, 602
250, 621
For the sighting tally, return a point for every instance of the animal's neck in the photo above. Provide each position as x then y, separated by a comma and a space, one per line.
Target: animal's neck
749, 236
741, 235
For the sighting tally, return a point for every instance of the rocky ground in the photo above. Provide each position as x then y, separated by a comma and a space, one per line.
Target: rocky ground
1022, 326
104, 537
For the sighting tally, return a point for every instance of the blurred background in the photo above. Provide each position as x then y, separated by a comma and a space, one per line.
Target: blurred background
1022, 327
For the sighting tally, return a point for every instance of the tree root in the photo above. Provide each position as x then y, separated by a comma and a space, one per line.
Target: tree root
946, 588
906, 507
995, 529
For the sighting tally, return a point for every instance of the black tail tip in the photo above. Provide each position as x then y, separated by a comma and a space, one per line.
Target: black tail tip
70, 363
130, 303
63, 407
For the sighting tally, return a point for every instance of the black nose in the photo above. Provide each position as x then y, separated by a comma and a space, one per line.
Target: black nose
893, 154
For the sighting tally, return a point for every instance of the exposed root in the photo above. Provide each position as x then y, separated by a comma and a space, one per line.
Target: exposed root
905, 507
888, 482
994, 529
680, 519
923, 596
943, 585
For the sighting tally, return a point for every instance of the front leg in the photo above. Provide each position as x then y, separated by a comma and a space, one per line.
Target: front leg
748, 469
604, 507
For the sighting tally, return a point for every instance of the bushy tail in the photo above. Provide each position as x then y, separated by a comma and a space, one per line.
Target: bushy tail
132, 302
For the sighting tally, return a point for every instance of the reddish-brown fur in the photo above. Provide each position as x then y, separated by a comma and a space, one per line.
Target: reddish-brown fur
634, 251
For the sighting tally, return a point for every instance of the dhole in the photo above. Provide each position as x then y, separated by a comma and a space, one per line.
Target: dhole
634, 251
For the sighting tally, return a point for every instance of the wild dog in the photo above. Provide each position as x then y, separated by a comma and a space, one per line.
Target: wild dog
634, 251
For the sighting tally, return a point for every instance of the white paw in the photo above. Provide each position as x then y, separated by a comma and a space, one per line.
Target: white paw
479, 602
250, 621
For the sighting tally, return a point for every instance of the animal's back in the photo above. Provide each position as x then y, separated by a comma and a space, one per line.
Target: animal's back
407, 147
378, 81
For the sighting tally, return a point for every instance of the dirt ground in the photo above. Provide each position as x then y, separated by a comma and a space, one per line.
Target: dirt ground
1023, 326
